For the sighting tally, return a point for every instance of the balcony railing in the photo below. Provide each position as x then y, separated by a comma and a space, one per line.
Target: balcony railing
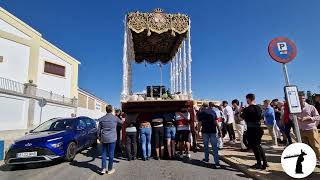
8, 85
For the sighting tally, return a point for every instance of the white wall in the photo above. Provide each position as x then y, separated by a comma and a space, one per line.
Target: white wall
56, 84
4, 26
51, 111
89, 113
15, 60
13, 112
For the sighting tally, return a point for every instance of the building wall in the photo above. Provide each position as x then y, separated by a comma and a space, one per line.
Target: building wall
15, 60
89, 105
4, 26
51, 111
49, 82
14, 112
13, 29
24, 52
89, 113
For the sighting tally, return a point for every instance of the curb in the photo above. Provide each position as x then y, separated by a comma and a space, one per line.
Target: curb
243, 169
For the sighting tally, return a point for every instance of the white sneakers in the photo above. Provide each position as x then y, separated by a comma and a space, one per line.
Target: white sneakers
104, 171
111, 172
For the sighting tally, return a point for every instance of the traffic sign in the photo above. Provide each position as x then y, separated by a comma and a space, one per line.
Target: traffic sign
42, 102
282, 50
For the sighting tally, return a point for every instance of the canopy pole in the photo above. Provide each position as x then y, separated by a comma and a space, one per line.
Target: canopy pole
189, 61
171, 83
180, 70
177, 73
184, 69
125, 63
173, 74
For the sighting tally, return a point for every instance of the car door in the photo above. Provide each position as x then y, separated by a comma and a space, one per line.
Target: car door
91, 130
81, 133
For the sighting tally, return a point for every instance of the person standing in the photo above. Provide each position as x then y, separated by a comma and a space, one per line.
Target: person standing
228, 113
119, 127
252, 116
145, 135
183, 132
129, 127
220, 120
279, 112
158, 133
269, 120
210, 132
317, 105
107, 135
287, 121
170, 133
308, 120
240, 124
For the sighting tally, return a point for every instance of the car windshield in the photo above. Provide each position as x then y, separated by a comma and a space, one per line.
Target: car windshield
55, 125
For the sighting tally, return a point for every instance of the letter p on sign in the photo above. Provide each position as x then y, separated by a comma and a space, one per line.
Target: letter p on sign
282, 47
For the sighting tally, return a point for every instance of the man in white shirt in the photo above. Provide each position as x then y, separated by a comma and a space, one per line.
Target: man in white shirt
239, 122
228, 113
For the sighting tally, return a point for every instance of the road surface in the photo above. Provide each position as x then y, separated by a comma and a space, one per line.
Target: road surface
86, 166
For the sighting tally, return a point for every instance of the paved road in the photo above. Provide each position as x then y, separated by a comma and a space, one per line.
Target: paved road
87, 166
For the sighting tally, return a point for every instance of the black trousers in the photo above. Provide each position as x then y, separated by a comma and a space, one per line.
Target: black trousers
254, 135
118, 149
231, 133
158, 135
131, 145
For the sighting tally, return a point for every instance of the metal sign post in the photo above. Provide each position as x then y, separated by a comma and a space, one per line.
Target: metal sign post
283, 51
295, 119
42, 103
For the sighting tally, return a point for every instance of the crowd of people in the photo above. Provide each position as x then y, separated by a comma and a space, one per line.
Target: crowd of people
171, 135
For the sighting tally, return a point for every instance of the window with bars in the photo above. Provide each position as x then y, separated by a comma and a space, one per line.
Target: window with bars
54, 69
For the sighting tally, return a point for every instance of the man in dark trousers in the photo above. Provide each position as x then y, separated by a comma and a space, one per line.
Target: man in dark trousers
253, 115
210, 132
317, 105
119, 127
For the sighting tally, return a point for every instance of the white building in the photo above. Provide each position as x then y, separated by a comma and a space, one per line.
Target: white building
32, 69
90, 105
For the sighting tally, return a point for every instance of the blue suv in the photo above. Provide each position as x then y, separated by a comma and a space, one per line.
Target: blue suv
54, 139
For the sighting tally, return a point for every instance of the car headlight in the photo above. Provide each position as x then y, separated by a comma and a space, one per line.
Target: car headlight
57, 145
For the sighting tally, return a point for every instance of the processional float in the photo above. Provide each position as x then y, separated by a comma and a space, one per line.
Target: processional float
158, 37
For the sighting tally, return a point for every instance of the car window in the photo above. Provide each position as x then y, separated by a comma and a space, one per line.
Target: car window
93, 123
55, 125
88, 123
82, 123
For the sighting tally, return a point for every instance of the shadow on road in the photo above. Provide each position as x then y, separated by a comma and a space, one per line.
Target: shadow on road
93, 153
28, 166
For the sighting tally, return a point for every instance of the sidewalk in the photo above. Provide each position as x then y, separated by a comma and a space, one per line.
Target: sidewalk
232, 155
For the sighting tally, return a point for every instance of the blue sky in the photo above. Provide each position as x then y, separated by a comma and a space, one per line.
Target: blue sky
229, 43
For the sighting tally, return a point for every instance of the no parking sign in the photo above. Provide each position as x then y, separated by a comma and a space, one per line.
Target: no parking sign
282, 50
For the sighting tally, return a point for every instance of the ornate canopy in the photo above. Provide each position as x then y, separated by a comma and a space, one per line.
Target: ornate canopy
156, 36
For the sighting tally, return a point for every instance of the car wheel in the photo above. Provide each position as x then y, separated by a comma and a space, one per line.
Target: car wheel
71, 151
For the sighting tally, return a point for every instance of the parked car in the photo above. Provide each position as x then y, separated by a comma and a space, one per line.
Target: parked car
59, 138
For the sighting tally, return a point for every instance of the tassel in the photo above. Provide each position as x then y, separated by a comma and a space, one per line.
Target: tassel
173, 33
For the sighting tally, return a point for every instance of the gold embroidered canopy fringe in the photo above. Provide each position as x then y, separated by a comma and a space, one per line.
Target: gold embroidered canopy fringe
156, 36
